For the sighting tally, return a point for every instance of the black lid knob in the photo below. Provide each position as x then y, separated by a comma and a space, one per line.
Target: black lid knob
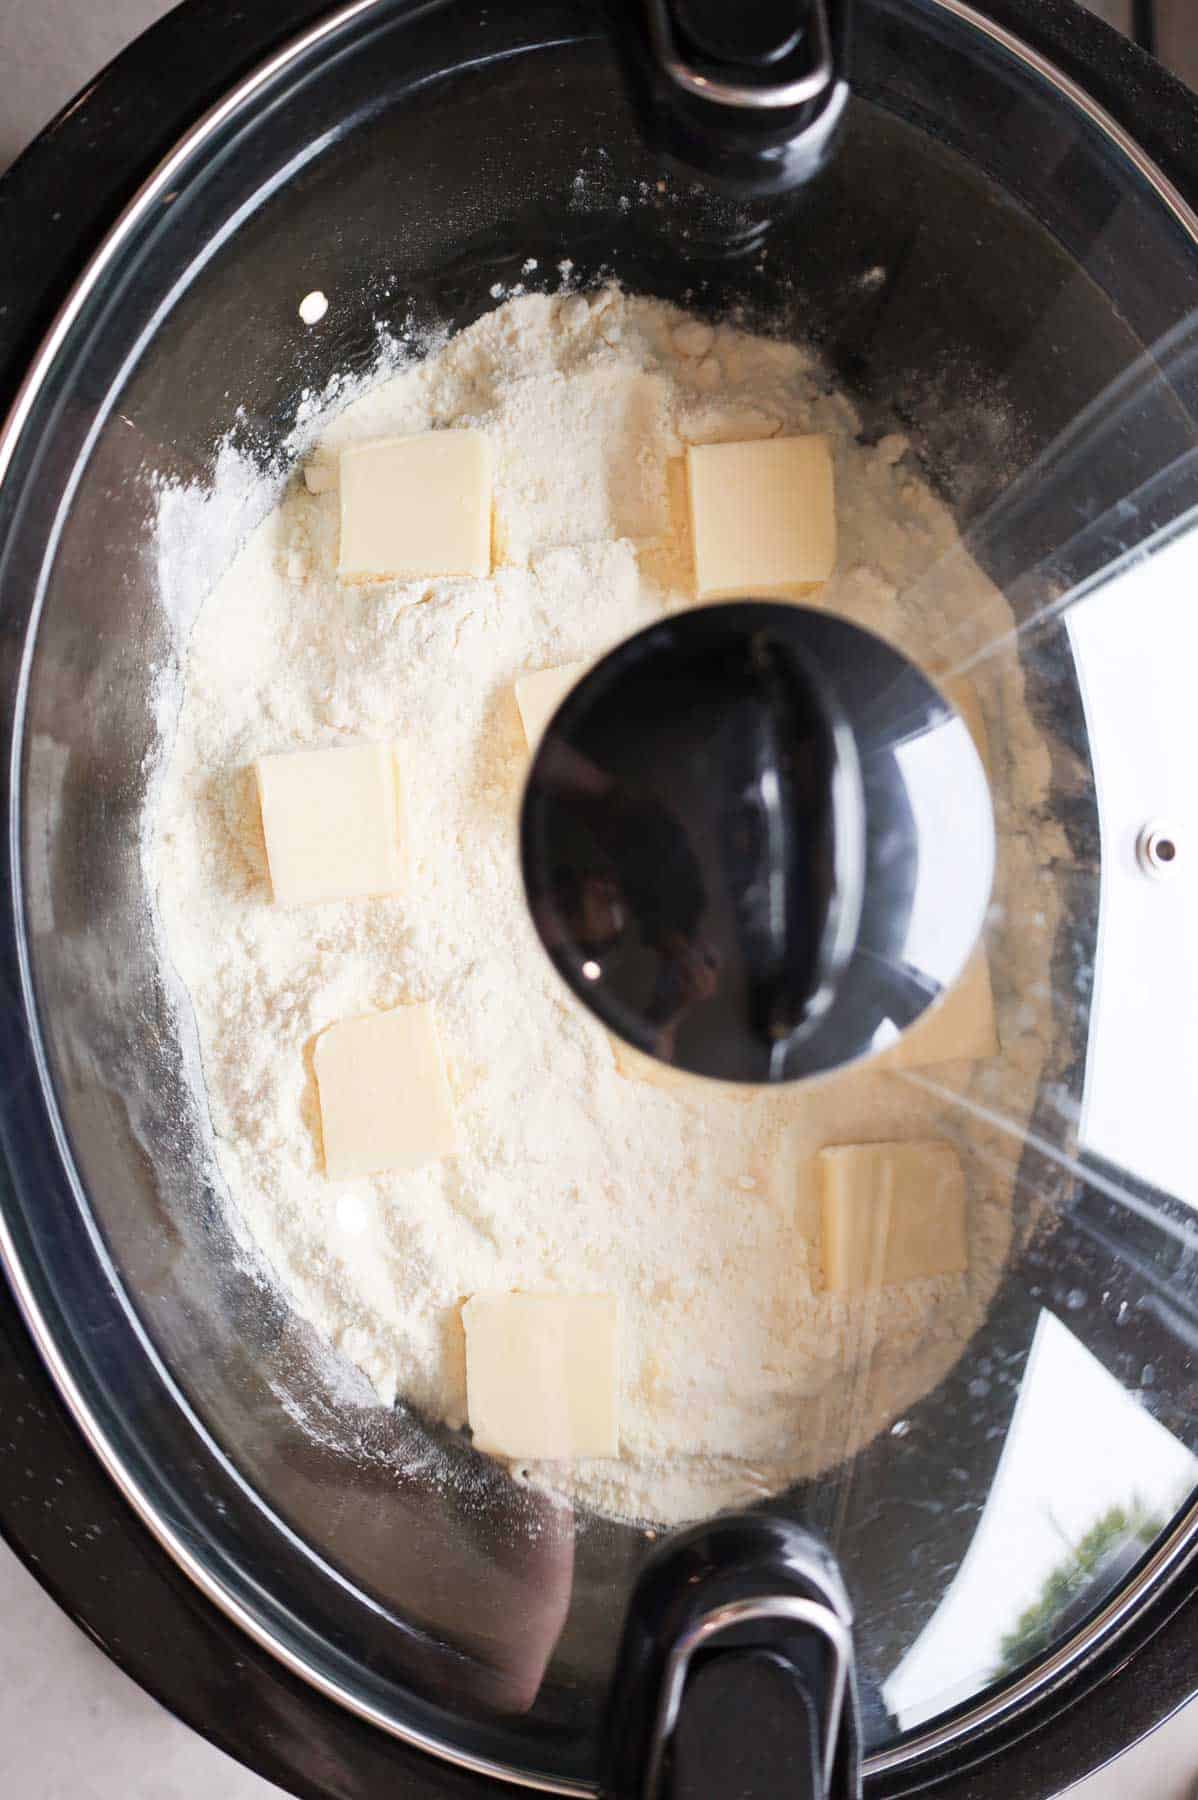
756, 841
748, 95
735, 1673
754, 33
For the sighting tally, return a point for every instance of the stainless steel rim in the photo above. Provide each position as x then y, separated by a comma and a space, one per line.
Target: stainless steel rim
1169, 1558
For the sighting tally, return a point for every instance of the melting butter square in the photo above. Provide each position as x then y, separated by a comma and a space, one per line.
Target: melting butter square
331, 820
964, 697
763, 516
637, 1065
384, 1098
959, 1027
414, 507
542, 1374
891, 1213
538, 696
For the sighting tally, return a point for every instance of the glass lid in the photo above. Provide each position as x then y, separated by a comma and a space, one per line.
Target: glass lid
979, 309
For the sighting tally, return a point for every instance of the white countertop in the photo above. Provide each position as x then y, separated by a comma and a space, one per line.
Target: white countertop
53, 1680
73, 1727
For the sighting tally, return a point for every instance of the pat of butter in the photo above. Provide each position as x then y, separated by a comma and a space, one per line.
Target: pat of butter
320, 475
414, 507
384, 1098
891, 1213
959, 1027
964, 697
539, 696
763, 518
331, 819
542, 1374
638, 1065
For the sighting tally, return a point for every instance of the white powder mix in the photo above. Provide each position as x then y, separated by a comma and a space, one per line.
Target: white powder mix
694, 1208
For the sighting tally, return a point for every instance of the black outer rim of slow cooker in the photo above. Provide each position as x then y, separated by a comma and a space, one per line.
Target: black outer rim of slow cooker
192, 1658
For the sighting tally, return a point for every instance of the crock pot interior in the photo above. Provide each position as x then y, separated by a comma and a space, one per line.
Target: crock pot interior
406, 167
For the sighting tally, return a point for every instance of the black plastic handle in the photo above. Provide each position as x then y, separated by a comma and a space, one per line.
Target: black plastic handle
735, 1675
752, 35
748, 95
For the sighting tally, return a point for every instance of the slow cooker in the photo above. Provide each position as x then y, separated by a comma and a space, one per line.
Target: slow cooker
983, 221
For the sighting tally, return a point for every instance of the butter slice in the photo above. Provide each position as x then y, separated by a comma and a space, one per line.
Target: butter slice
891, 1213
539, 696
964, 697
415, 507
384, 1098
637, 1065
542, 1375
320, 475
763, 516
331, 819
958, 1027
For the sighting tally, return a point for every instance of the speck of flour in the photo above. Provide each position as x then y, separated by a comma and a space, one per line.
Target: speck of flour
739, 1373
